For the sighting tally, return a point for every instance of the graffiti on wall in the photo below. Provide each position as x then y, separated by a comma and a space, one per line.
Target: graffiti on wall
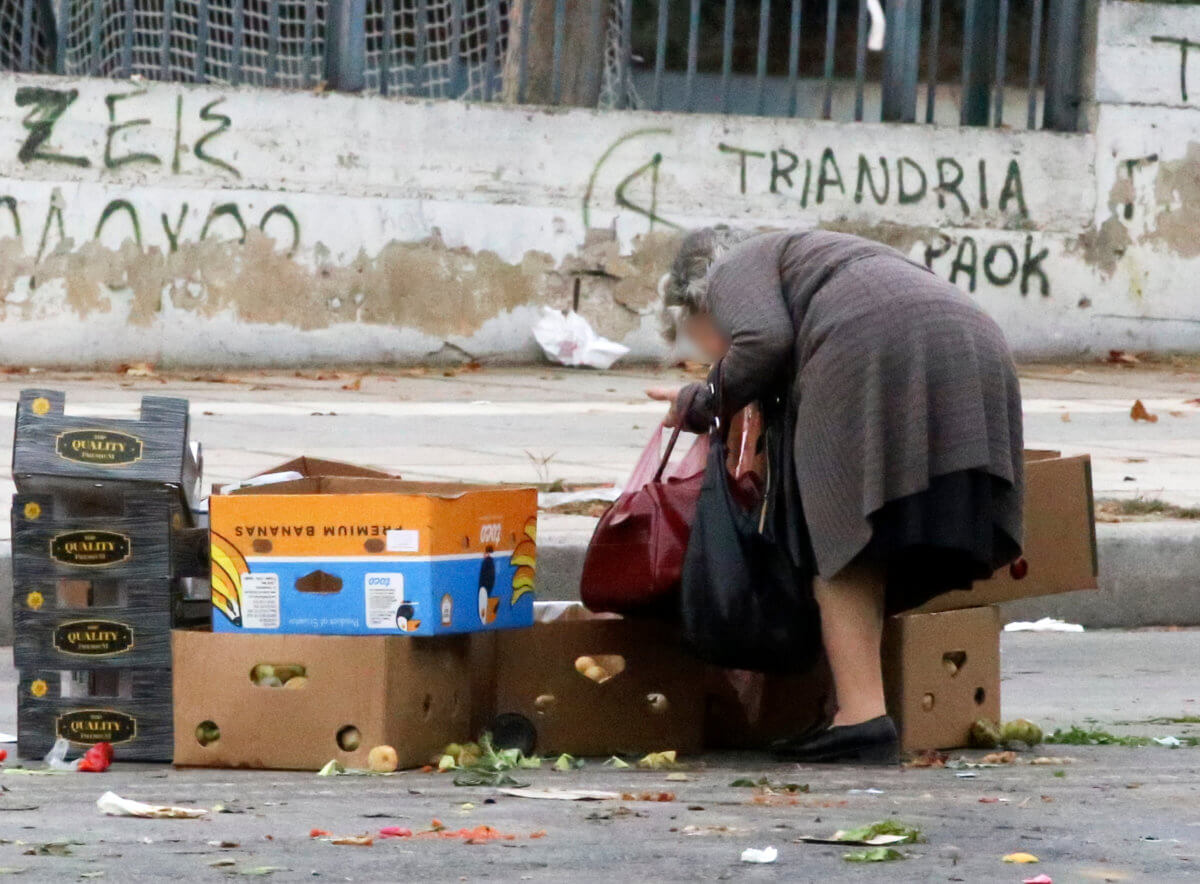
46, 109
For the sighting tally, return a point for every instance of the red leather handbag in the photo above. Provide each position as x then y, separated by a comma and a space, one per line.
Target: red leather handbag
634, 562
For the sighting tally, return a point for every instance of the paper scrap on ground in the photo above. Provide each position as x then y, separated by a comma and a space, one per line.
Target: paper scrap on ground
569, 340
760, 855
876, 841
1046, 624
1172, 742
7, 738
113, 804
562, 794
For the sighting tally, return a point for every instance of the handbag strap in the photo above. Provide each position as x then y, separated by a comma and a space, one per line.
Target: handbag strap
666, 459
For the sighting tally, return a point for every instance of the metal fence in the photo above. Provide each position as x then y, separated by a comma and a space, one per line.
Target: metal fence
962, 61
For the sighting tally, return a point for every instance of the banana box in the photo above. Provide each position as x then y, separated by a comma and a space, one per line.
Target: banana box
360, 555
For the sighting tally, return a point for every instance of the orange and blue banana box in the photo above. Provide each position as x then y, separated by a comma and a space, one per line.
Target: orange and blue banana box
360, 555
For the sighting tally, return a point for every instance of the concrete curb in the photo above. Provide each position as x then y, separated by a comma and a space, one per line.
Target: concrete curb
1149, 576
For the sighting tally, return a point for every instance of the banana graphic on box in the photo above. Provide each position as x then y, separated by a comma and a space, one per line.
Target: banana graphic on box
524, 558
228, 566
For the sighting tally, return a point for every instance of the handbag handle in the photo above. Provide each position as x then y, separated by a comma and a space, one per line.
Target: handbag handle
666, 458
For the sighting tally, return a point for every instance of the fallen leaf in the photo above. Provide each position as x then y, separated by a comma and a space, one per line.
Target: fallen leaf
1139, 413
1021, 858
999, 758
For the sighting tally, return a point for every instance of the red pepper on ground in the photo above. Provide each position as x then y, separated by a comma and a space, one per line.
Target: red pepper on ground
97, 759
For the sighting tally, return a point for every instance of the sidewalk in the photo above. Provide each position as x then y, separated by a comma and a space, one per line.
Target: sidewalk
544, 425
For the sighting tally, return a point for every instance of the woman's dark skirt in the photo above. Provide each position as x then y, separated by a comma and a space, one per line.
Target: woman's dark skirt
941, 539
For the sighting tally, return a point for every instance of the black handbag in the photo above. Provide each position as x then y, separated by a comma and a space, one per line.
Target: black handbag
746, 602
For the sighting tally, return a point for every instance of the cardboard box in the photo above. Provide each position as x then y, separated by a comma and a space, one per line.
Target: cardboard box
941, 673
53, 451
358, 555
751, 710
129, 708
651, 700
412, 694
1060, 538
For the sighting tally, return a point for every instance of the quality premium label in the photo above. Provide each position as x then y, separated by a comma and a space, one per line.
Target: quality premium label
90, 549
93, 638
96, 726
99, 448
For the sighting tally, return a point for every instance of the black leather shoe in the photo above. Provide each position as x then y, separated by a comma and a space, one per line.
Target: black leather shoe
872, 742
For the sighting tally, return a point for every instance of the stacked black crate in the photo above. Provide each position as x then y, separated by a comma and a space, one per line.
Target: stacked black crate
107, 558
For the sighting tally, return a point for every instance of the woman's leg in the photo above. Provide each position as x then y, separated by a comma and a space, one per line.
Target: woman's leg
852, 605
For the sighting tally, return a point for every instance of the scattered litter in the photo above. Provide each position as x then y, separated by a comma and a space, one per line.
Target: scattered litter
603, 493
659, 797
1172, 742
873, 855
113, 804
616, 763
53, 848
395, 832
561, 794
1052, 760
224, 845
766, 785
966, 774
990, 800
383, 759
1039, 879
11, 870
7, 738
760, 855
569, 339
260, 871
353, 841
999, 758
929, 758
1021, 858
659, 760
880, 834
984, 734
678, 778
1046, 624
1139, 413
1121, 357
861, 791
566, 763
335, 768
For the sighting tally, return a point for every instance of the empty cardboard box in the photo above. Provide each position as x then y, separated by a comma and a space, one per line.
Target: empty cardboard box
598, 685
1060, 537
358, 692
941, 673
355, 554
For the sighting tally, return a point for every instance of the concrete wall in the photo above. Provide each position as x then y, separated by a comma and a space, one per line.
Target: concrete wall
210, 227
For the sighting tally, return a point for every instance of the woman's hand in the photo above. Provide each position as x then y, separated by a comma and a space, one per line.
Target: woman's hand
665, 394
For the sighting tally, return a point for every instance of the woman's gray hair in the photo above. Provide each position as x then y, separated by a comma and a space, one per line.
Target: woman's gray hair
684, 288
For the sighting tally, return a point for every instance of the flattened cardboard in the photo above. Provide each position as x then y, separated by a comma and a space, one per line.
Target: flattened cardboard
356, 555
1060, 539
750, 710
411, 694
941, 673
535, 676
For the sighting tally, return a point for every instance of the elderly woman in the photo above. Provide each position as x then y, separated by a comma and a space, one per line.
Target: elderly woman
905, 415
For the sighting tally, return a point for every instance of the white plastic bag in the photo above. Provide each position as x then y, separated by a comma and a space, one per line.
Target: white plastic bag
569, 340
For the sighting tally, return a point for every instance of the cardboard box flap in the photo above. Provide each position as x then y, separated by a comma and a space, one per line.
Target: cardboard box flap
317, 466
372, 485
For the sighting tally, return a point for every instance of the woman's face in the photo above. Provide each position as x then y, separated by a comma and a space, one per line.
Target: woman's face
708, 339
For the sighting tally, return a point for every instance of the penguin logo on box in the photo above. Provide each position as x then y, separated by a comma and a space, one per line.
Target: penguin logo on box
447, 610
488, 605
405, 621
